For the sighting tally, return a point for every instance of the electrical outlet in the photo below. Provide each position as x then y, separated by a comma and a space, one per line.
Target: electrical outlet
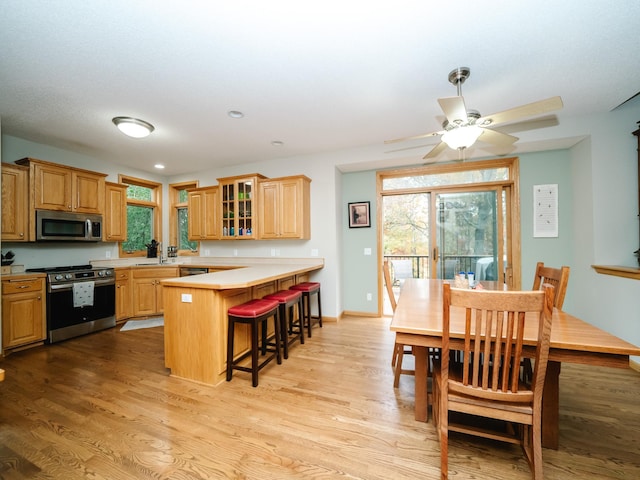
108, 254
369, 297
367, 251
235, 252
186, 298
277, 252
273, 252
314, 252
206, 252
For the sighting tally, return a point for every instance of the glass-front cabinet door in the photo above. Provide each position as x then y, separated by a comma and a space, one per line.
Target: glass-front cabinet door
239, 211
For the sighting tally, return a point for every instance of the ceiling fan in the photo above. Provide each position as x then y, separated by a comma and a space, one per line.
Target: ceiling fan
463, 127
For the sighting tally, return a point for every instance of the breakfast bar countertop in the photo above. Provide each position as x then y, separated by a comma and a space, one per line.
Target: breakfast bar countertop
243, 276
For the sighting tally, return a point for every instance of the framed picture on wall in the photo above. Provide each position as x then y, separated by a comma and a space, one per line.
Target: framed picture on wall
359, 215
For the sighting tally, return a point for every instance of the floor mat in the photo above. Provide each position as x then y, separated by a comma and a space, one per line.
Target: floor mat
146, 323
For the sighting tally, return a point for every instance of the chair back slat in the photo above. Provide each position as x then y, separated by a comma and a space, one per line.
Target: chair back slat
389, 284
494, 334
557, 277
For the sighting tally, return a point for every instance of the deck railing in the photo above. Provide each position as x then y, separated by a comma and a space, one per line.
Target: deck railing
453, 264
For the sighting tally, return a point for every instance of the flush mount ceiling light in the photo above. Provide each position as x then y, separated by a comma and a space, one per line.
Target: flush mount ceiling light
133, 127
159, 166
277, 143
235, 114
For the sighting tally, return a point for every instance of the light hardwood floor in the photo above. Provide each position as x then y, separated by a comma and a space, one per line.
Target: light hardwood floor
104, 407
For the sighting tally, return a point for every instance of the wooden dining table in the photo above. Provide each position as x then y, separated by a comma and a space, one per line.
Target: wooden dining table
417, 322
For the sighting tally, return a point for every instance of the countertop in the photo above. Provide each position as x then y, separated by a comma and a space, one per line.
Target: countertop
248, 271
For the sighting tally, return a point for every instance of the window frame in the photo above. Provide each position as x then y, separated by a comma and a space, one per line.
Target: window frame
175, 205
155, 205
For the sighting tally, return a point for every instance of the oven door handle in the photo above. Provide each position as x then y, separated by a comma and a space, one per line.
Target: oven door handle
68, 286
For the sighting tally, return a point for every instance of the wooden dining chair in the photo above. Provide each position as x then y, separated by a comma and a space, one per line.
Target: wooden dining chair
487, 384
558, 277
399, 349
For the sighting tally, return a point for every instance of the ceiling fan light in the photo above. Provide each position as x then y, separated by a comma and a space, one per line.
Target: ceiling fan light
462, 137
133, 127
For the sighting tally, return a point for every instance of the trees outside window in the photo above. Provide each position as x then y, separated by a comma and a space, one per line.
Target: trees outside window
144, 214
179, 218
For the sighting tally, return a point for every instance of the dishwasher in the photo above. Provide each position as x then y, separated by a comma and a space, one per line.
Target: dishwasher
186, 271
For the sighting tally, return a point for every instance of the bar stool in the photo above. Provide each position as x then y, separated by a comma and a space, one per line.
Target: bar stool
254, 313
288, 324
308, 289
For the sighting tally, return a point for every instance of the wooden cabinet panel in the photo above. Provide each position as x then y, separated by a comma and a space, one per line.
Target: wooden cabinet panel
144, 296
124, 295
23, 311
204, 214
147, 289
269, 206
88, 192
62, 188
52, 187
14, 203
115, 215
211, 214
295, 208
285, 208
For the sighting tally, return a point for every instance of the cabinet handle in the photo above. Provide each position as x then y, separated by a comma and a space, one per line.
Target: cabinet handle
39, 298
23, 286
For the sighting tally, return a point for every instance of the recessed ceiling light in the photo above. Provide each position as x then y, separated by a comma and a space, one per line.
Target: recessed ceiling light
133, 127
235, 114
277, 143
159, 166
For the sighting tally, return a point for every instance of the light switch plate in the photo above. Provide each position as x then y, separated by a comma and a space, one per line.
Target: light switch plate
186, 298
367, 251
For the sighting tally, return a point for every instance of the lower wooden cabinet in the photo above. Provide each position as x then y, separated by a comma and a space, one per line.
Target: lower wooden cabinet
124, 297
147, 289
23, 311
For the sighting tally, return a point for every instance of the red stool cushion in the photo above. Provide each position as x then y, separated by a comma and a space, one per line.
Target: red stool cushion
253, 308
306, 287
284, 296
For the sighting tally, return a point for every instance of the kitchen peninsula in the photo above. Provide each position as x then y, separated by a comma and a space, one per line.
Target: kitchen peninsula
195, 311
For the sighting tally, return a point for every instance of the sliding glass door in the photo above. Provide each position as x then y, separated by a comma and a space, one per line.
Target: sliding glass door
466, 236
437, 221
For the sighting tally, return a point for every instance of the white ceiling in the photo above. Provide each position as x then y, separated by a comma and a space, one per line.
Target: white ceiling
317, 75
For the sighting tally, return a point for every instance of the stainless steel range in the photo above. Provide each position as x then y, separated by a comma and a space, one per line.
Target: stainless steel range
80, 300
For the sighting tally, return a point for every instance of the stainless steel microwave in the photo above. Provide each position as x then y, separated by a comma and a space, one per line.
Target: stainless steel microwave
68, 226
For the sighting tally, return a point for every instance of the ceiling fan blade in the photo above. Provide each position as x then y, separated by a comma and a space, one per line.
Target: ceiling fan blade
409, 148
437, 150
415, 137
455, 109
497, 138
528, 110
533, 124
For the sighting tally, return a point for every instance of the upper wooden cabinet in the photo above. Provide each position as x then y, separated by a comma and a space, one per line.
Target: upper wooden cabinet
204, 214
239, 206
284, 205
115, 213
67, 189
15, 188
